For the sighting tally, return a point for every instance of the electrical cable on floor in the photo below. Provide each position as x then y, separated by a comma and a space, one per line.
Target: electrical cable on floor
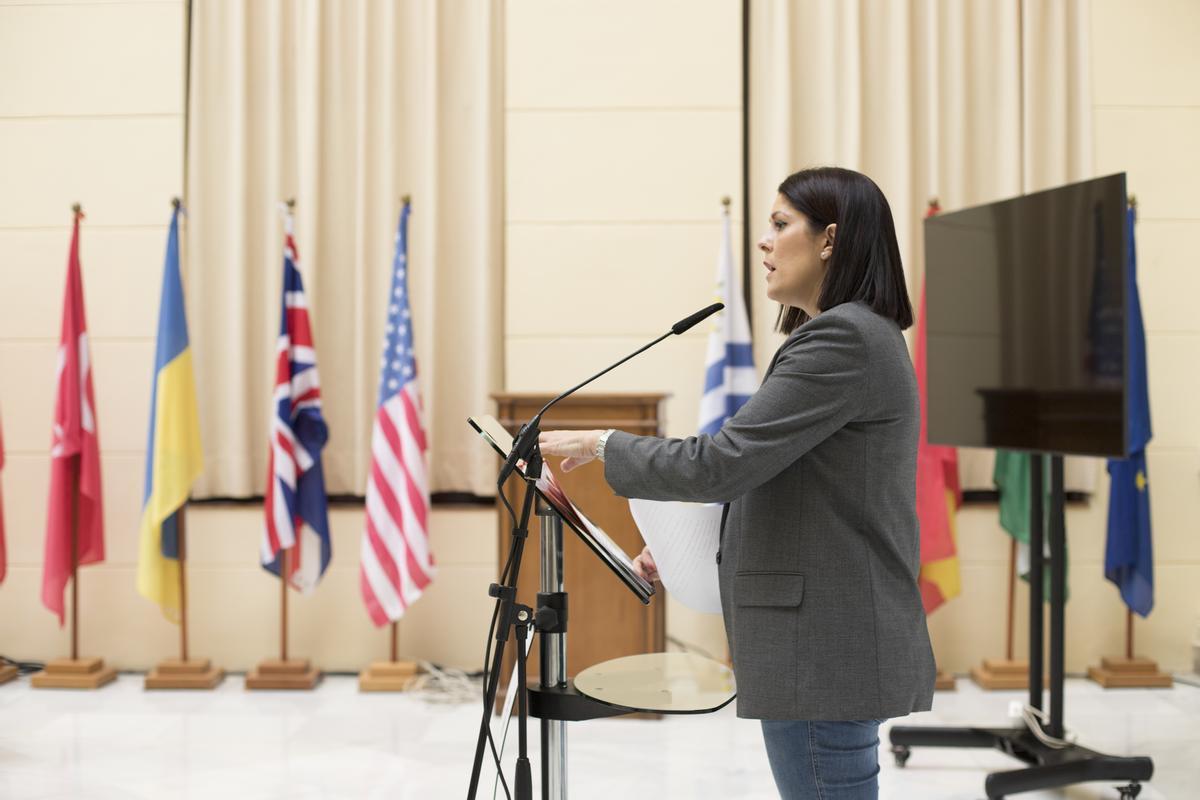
445, 685
1034, 719
23, 667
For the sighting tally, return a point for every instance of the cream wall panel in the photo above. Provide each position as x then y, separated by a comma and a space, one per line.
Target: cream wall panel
638, 166
449, 625
676, 365
88, 2
1168, 262
1174, 503
1169, 632
122, 279
92, 60
695, 629
27, 630
1144, 53
121, 380
981, 540
123, 478
331, 626
971, 625
118, 624
27, 394
464, 536
1163, 165
26, 480
622, 54
123, 170
593, 280
235, 615
1174, 386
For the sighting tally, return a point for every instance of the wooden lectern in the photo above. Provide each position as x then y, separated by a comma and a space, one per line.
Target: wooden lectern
606, 621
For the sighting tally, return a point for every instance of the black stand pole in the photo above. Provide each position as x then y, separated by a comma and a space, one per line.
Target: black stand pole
1051, 763
509, 614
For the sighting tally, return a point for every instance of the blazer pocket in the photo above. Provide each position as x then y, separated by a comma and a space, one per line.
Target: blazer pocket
766, 623
772, 589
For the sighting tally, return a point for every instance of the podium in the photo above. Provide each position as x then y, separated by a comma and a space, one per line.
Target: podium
608, 621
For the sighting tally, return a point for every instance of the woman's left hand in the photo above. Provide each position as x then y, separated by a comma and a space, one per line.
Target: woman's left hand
579, 447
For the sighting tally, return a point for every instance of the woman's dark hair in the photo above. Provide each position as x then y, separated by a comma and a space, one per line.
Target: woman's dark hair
865, 265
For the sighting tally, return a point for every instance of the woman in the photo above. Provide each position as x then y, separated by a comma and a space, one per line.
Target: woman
819, 549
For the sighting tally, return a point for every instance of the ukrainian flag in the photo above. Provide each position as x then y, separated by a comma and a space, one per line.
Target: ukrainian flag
173, 457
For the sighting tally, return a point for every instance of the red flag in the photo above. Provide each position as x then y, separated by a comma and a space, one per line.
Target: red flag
3, 552
938, 493
75, 449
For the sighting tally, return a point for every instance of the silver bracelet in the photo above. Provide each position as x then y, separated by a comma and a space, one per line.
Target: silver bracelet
602, 441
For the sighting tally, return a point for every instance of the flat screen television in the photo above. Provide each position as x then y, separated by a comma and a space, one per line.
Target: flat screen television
1026, 329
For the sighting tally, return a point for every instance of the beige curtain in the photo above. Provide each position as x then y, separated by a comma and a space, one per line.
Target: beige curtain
345, 105
968, 101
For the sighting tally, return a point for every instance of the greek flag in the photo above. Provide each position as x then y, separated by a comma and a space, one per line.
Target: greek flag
729, 376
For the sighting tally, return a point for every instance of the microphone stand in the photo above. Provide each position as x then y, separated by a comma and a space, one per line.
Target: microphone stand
509, 613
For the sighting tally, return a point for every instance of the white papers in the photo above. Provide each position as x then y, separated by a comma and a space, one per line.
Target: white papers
683, 539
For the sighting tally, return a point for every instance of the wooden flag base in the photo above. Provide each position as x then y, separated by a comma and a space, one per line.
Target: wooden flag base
1000, 673
74, 673
196, 673
387, 676
7, 672
1129, 673
295, 673
944, 682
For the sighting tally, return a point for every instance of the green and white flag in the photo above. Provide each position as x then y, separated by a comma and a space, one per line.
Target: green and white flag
1011, 476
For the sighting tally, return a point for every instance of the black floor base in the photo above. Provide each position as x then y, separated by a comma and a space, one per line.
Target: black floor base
1048, 767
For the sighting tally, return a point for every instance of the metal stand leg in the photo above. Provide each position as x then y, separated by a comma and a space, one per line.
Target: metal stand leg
1048, 767
553, 661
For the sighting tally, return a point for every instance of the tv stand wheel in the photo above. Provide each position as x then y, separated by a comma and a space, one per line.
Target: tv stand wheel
1131, 791
902, 752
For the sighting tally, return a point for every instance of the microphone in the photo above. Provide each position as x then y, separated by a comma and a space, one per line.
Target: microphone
527, 436
701, 315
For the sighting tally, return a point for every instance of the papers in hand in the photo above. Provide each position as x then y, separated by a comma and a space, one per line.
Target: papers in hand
683, 539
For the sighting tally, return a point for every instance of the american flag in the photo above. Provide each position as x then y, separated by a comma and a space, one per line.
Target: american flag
296, 506
396, 562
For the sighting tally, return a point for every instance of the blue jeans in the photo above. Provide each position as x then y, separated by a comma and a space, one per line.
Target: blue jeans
824, 760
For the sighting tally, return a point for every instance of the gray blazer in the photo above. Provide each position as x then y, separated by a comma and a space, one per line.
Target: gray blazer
819, 552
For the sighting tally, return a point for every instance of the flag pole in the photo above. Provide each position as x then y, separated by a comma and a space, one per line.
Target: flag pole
283, 572
392, 675
183, 673
1012, 592
1129, 634
75, 467
181, 531
74, 673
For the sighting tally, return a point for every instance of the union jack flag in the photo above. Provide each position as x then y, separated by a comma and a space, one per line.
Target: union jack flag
296, 506
396, 562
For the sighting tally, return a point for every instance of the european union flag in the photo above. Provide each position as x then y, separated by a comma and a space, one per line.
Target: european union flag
1128, 557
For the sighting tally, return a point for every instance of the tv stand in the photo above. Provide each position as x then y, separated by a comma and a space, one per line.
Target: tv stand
1049, 766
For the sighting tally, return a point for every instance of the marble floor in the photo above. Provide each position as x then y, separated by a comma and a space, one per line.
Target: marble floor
122, 743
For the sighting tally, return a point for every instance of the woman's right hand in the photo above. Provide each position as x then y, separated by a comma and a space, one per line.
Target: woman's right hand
644, 565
